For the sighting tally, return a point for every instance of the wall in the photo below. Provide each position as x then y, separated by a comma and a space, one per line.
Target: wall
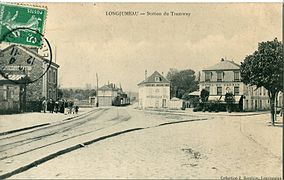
154, 96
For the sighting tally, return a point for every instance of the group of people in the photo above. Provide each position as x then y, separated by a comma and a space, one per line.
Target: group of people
59, 106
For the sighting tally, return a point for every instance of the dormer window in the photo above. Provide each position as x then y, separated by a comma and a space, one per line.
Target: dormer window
158, 79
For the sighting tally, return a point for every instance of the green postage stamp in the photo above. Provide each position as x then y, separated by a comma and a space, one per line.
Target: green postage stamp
21, 24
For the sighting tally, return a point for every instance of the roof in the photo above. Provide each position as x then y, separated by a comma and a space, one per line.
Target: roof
109, 87
224, 65
151, 79
30, 52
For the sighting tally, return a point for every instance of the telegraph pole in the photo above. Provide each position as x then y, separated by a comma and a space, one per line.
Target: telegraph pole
97, 90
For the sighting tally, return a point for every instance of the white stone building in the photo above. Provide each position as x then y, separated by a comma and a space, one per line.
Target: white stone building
154, 91
225, 77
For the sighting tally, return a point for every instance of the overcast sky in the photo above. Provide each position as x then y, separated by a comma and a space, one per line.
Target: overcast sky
119, 49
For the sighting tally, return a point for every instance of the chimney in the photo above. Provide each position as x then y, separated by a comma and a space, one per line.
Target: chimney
145, 74
162, 73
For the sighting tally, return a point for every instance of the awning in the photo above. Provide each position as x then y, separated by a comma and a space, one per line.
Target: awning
194, 93
222, 98
20, 78
175, 99
216, 98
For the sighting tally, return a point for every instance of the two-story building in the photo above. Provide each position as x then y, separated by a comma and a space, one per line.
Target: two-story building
154, 91
225, 77
19, 60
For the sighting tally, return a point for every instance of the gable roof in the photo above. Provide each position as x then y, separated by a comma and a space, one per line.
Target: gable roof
30, 52
151, 79
108, 87
224, 65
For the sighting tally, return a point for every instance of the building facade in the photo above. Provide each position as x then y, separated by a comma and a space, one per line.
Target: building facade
154, 91
107, 94
225, 77
28, 62
12, 94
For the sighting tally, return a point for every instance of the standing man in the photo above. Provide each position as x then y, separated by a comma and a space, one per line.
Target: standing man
44, 105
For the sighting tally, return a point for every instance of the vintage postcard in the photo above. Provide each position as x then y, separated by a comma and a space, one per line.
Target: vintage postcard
141, 91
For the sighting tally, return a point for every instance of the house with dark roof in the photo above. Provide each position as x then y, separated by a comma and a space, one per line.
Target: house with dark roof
154, 91
225, 77
19, 60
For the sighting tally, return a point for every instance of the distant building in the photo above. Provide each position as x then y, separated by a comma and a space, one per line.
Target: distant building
154, 91
46, 86
225, 77
107, 94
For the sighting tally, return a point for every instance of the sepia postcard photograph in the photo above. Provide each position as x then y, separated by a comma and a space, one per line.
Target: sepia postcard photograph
132, 90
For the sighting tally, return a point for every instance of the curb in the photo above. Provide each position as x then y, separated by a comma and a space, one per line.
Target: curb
38, 125
204, 113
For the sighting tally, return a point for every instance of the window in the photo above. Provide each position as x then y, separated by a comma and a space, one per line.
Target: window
158, 79
219, 90
207, 88
54, 76
49, 76
3, 93
264, 91
236, 76
260, 91
236, 90
207, 76
219, 76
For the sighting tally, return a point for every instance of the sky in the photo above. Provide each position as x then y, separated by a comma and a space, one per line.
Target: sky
121, 48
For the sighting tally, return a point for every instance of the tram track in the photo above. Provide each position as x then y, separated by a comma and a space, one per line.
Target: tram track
10, 134
58, 129
23, 143
14, 149
42, 149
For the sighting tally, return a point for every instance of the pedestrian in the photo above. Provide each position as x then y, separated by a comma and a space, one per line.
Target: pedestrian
44, 105
51, 105
61, 106
70, 106
73, 109
56, 106
76, 109
66, 107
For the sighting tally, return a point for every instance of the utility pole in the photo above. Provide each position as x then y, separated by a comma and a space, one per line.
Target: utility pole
97, 90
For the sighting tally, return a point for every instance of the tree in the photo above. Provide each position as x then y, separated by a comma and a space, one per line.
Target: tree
182, 82
265, 68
